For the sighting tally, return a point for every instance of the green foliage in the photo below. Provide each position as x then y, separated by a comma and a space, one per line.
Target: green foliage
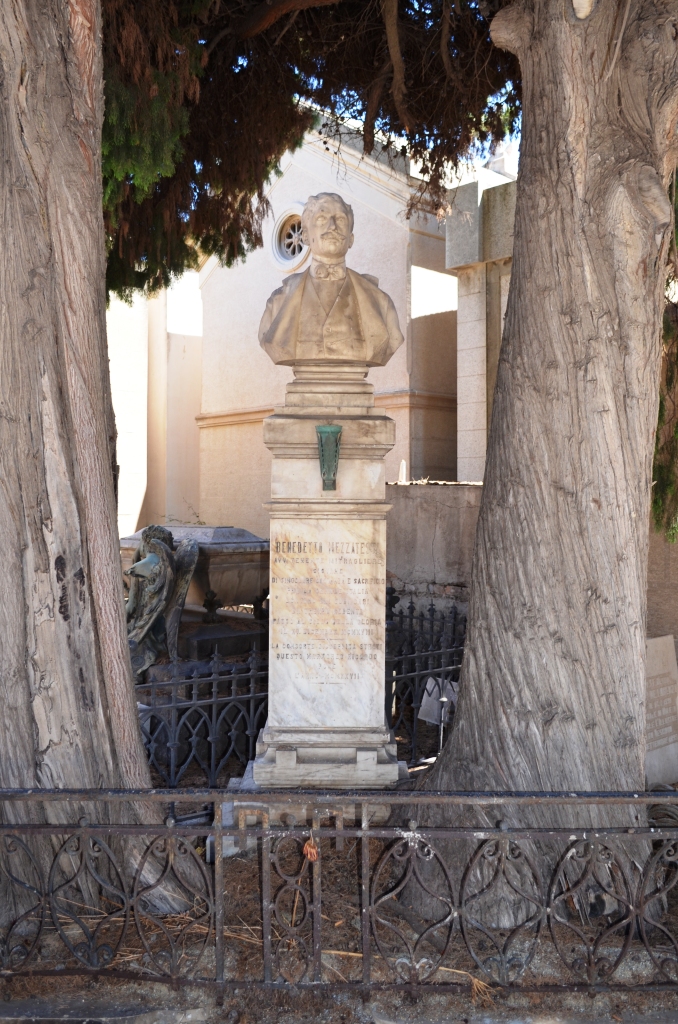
203, 97
142, 138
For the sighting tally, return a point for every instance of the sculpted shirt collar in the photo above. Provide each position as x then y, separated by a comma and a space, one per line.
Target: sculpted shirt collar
328, 271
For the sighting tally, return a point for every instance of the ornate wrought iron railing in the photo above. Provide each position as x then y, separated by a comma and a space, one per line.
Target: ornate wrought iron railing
200, 724
424, 652
407, 629
200, 720
331, 897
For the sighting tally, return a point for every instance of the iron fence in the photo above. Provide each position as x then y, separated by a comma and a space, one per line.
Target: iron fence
332, 897
200, 723
407, 630
424, 652
200, 719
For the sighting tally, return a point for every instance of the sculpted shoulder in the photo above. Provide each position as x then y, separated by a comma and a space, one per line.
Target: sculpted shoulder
379, 319
276, 302
287, 288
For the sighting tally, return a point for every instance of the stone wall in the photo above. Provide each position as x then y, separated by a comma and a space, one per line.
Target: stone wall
430, 534
662, 587
429, 547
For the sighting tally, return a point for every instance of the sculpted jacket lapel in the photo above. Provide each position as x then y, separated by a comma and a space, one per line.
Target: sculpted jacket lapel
369, 308
344, 326
284, 330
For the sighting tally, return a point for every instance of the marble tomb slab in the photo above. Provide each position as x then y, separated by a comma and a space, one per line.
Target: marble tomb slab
328, 589
661, 710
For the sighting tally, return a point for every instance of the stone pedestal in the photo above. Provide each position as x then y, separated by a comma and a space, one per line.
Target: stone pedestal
326, 723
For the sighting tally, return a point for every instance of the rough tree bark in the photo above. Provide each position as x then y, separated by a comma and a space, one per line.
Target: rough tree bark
552, 690
68, 711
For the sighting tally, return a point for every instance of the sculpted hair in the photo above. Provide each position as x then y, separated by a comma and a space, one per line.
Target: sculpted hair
313, 202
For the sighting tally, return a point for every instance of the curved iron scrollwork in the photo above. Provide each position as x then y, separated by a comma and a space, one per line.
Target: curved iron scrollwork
293, 910
658, 880
590, 910
87, 899
203, 716
510, 908
153, 901
22, 873
412, 867
173, 906
501, 909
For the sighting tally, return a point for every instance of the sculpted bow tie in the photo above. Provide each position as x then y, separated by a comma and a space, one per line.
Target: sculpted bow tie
329, 272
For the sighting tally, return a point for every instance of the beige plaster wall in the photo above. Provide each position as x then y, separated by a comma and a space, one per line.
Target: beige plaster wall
396, 405
127, 329
434, 353
236, 476
433, 429
184, 388
430, 533
471, 373
155, 499
429, 551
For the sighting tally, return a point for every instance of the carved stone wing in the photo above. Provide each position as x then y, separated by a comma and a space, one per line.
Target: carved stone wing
152, 583
185, 559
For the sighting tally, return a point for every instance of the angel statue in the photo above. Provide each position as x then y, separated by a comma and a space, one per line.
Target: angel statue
159, 581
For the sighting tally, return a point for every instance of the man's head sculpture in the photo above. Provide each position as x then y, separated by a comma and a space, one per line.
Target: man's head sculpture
327, 227
328, 313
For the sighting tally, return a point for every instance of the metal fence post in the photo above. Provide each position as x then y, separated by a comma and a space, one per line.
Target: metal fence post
365, 893
317, 905
266, 902
219, 901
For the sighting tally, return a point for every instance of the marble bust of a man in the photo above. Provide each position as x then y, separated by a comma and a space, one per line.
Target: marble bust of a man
329, 313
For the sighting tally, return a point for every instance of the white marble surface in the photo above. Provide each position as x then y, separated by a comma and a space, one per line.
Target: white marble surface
328, 581
661, 722
358, 479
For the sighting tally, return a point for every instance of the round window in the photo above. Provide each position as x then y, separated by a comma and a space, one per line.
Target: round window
290, 244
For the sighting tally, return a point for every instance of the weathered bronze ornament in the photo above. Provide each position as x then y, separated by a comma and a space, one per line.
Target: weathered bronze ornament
329, 440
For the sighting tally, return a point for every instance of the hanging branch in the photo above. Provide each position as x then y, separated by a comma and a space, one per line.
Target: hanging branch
264, 15
289, 24
389, 11
217, 39
445, 38
374, 95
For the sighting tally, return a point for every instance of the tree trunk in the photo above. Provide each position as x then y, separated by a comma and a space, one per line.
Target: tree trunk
69, 715
553, 684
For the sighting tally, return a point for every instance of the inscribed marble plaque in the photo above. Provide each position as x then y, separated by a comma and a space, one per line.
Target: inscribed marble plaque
661, 722
326, 657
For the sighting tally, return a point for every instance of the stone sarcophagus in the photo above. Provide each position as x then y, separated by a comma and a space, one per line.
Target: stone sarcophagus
232, 562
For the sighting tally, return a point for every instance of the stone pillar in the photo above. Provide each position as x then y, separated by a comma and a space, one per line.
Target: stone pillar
479, 243
471, 373
326, 719
154, 507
